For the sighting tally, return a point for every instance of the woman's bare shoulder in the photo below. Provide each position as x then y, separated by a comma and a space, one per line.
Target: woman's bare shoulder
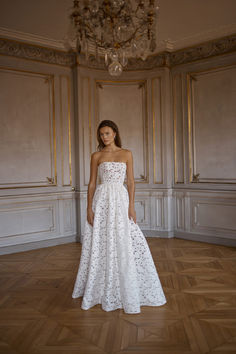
127, 154
95, 155
127, 151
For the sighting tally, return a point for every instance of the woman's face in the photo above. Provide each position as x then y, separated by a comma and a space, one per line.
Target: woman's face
107, 135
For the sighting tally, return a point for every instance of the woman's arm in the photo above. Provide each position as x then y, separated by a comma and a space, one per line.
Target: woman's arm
131, 186
91, 187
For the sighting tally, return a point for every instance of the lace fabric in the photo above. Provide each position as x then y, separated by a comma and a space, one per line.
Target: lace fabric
116, 267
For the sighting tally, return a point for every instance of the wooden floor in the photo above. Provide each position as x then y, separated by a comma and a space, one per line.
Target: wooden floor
39, 316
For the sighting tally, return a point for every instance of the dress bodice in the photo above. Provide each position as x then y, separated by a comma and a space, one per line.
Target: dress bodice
110, 172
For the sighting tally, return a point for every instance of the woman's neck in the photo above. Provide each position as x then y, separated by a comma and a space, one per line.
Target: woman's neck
111, 148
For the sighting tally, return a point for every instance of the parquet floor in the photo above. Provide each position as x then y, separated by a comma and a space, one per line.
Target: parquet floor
39, 316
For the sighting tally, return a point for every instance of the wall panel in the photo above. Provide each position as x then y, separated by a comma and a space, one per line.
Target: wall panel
36, 155
157, 116
65, 122
124, 102
26, 218
85, 109
211, 215
178, 129
27, 133
212, 128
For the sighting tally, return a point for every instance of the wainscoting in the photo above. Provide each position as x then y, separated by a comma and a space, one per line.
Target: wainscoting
28, 222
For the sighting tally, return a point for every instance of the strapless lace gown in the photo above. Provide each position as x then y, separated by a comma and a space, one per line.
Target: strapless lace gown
116, 267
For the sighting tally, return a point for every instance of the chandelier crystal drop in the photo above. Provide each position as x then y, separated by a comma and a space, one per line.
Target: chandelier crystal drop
114, 29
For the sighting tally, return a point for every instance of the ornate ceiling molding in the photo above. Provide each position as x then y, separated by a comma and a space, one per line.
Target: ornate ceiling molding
34, 39
204, 50
33, 52
52, 56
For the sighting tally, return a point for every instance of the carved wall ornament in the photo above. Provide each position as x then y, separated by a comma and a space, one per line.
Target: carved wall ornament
33, 52
169, 59
99, 85
141, 85
165, 59
50, 180
196, 178
204, 50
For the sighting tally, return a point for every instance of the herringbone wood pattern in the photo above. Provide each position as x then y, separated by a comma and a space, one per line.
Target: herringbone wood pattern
39, 316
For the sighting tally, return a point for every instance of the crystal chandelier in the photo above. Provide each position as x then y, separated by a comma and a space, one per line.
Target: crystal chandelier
114, 29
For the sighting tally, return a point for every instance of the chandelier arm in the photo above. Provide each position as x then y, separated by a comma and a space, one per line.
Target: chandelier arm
121, 8
90, 34
130, 38
99, 42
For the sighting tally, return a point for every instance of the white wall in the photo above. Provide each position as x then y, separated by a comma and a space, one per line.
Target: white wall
37, 201
204, 114
183, 121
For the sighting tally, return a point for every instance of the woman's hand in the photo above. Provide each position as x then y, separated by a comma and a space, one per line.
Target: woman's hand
90, 216
132, 213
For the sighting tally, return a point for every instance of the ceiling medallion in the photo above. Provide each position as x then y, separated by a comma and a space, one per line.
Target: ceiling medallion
113, 29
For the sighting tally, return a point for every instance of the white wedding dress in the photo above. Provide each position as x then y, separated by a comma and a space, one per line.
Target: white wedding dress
116, 267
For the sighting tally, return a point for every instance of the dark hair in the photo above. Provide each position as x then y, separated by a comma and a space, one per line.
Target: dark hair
113, 126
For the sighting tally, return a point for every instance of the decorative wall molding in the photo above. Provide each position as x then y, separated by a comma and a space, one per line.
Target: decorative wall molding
17, 86
201, 51
157, 128
36, 217
166, 45
204, 50
65, 123
34, 52
86, 120
159, 60
178, 116
210, 213
127, 89
205, 88
27, 219
182, 56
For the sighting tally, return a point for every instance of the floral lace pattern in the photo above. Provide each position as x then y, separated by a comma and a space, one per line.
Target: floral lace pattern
116, 267
112, 172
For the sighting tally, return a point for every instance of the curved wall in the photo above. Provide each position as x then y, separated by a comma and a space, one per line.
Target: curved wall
176, 112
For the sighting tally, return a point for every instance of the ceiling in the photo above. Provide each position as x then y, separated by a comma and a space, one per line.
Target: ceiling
181, 23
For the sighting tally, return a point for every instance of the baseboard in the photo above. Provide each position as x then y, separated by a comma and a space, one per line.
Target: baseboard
40, 244
147, 233
206, 238
156, 233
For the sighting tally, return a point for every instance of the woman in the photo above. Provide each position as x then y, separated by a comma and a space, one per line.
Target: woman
116, 267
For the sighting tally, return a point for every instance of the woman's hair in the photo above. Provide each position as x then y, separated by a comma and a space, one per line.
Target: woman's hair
113, 126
